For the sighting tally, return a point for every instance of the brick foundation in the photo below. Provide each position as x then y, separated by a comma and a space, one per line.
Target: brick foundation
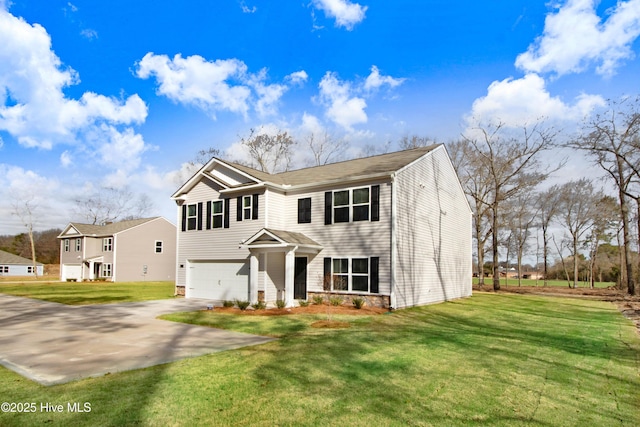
180, 291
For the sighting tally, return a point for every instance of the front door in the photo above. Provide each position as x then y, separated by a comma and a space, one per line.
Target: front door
300, 278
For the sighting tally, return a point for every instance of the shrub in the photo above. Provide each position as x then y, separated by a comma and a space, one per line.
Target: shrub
303, 303
318, 299
242, 305
358, 302
260, 305
280, 303
335, 301
227, 304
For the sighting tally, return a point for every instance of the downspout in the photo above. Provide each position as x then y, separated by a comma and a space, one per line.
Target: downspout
392, 294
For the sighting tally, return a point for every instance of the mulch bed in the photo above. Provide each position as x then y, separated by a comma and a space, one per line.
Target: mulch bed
310, 309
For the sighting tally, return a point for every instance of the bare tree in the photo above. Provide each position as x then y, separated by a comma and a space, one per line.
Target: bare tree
611, 139
513, 165
474, 178
414, 141
110, 204
325, 147
547, 202
520, 215
26, 211
577, 214
269, 153
604, 221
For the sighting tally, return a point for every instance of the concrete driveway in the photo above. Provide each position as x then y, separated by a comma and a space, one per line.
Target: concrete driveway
55, 343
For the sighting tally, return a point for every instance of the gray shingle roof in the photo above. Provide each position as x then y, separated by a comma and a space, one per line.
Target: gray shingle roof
380, 164
7, 258
109, 229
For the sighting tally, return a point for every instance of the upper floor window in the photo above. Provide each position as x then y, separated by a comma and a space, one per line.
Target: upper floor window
304, 210
107, 244
217, 214
359, 204
247, 207
192, 217
158, 246
78, 245
67, 245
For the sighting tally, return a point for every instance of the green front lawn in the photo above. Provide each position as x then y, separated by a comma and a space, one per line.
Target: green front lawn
540, 282
82, 293
492, 359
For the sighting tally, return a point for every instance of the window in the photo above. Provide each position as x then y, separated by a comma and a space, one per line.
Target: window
30, 269
106, 270
353, 274
359, 204
158, 246
192, 217
66, 245
78, 245
304, 210
4, 269
107, 244
217, 214
340, 274
247, 207
341, 206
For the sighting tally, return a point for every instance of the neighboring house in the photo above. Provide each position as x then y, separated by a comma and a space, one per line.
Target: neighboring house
394, 229
14, 265
133, 250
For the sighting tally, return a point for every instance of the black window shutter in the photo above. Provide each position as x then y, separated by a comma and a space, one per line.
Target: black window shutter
326, 283
227, 203
200, 216
328, 198
239, 216
209, 215
374, 275
184, 217
254, 207
375, 203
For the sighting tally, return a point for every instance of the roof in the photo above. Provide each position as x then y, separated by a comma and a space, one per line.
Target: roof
11, 259
348, 169
107, 229
268, 237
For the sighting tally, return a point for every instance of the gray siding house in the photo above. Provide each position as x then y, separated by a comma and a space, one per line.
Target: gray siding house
14, 265
133, 250
394, 229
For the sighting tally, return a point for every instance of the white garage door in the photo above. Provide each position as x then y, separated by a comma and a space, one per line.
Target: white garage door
70, 271
218, 280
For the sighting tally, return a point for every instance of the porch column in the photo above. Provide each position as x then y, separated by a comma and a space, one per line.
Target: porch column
289, 262
253, 278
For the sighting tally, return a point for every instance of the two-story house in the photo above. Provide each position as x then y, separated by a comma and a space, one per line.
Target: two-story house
133, 250
394, 229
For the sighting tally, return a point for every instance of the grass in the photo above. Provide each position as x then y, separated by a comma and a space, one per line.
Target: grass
533, 282
493, 359
82, 293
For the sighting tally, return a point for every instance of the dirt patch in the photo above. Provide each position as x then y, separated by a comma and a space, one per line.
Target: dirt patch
310, 309
628, 305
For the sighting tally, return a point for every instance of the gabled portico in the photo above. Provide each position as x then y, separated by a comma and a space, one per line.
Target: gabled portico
291, 246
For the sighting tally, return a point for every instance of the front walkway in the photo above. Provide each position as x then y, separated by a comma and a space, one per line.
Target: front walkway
54, 343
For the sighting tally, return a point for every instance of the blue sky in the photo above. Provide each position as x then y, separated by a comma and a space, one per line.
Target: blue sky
119, 93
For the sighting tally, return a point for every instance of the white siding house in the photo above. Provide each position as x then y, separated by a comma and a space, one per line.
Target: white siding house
14, 265
394, 229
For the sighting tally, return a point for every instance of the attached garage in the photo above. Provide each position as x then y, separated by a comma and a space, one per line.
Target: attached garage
71, 272
218, 280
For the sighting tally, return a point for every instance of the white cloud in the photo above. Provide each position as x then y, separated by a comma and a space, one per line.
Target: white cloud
575, 37
521, 101
88, 33
347, 14
298, 78
219, 85
66, 159
246, 9
375, 80
342, 107
33, 106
